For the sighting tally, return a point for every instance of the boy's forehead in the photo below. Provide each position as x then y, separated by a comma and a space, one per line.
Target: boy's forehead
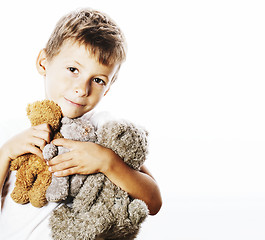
74, 50
80, 54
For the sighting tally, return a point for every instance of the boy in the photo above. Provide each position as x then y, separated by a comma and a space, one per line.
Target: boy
79, 64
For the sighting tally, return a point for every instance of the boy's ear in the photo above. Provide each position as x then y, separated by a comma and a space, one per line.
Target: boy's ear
41, 62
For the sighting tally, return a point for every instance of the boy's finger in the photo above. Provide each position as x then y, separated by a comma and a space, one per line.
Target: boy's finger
39, 142
62, 166
66, 172
63, 143
60, 158
35, 150
44, 127
43, 135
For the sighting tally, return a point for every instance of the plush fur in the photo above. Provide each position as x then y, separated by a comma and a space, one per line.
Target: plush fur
101, 209
33, 177
79, 129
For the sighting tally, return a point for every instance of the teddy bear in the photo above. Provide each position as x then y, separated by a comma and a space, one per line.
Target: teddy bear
78, 129
33, 177
101, 209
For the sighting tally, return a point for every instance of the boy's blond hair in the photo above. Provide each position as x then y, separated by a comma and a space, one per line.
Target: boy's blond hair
98, 32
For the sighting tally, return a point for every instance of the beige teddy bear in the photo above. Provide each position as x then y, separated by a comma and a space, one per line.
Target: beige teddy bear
33, 177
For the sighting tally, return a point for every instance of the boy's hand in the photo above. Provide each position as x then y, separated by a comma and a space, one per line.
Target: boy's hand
83, 158
31, 140
88, 158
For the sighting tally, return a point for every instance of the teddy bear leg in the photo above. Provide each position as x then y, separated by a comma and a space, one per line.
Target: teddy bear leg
37, 192
24, 181
58, 189
65, 224
62, 223
93, 224
76, 182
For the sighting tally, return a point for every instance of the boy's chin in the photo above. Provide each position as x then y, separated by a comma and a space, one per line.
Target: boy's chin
71, 114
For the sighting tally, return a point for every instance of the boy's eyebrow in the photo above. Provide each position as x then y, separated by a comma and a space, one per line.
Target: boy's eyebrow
103, 75
78, 63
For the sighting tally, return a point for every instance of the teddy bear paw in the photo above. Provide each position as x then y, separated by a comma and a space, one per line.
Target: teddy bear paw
58, 190
138, 211
49, 151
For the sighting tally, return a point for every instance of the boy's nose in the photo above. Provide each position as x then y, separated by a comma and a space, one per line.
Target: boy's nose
82, 90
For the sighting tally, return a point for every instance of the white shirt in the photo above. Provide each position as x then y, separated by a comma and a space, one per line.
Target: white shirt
25, 222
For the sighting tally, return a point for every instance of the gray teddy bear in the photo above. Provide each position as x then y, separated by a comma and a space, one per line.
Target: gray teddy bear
101, 209
79, 129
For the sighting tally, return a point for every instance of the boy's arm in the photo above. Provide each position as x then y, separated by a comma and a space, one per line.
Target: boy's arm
31, 140
88, 158
139, 185
4, 165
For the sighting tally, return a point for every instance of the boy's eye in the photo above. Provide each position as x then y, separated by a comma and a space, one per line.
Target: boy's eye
73, 69
99, 81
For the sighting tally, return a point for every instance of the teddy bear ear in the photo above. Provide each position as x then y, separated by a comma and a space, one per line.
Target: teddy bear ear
28, 109
146, 133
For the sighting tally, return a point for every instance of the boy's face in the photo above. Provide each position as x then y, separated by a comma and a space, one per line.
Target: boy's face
74, 79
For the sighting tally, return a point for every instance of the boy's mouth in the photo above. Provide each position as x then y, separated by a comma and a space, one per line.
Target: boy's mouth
74, 103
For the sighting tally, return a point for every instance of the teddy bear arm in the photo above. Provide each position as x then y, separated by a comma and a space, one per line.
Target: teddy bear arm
50, 151
128, 218
89, 192
76, 182
129, 214
37, 192
17, 163
24, 181
58, 190
127, 225
138, 211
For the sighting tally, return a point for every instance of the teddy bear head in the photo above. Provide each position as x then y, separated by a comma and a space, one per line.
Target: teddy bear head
127, 140
78, 129
45, 111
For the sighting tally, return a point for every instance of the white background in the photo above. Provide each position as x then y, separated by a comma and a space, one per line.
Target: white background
194, 78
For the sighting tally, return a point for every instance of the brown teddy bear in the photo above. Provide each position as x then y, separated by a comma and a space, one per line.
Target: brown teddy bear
33, 177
